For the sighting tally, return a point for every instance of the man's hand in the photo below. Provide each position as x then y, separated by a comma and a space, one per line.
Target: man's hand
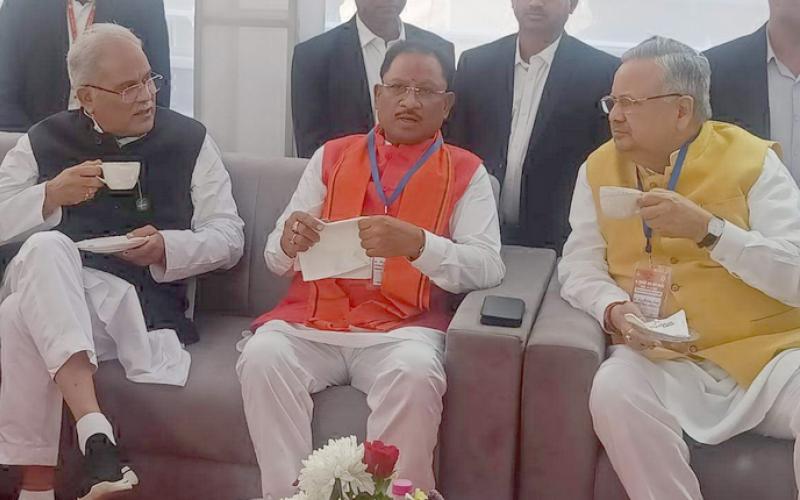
151, 252
632, 337
73, 186
300, 232
674, 216
384, 236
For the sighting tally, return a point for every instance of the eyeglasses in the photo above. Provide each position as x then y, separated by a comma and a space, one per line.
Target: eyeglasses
131, 94
628, 104
424, 95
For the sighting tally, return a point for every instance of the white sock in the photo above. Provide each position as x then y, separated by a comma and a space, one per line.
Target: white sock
37, 495
91, 424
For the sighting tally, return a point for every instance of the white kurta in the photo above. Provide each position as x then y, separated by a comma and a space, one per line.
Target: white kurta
215, 240
659, 399
401, 371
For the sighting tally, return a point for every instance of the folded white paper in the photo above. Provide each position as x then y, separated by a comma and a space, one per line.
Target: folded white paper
337, 255
675, 328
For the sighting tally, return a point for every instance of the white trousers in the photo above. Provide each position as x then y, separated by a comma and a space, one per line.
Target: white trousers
643, 437
404, 382
52, 309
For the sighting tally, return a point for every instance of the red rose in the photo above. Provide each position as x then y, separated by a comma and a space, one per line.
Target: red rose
380, 459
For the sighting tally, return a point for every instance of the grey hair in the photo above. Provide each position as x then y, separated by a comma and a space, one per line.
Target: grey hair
84, 55
686, 71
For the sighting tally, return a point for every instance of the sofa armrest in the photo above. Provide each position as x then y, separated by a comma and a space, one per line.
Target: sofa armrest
559, 447
479, 435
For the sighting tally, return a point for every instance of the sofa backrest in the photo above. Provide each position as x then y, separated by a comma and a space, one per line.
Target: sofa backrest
262, 189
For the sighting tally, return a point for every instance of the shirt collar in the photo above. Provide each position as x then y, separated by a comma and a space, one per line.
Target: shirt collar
770, 52
122, 141
366, 36
547, 54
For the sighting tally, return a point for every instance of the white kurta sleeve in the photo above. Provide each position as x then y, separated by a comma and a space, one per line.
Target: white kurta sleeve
309, 197
583, 270
767, 257
471, 259
216, 238
21, 198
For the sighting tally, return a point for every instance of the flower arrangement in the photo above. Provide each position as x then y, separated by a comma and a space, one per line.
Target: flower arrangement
346, 470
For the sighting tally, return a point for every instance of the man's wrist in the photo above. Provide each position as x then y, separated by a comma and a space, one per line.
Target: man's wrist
419, 245
608, 324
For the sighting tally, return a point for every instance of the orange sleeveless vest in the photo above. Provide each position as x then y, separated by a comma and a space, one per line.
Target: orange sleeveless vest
406, 296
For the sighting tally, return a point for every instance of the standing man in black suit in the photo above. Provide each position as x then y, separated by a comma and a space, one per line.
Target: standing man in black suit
334, 74
755, 81
35, 36
527, 104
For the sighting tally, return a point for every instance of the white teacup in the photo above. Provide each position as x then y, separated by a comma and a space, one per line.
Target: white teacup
121, 175
619, 202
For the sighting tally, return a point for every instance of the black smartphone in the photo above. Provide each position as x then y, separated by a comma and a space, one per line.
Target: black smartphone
502, 311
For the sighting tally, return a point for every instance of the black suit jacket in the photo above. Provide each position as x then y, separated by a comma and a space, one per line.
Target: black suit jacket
569, 125
739, 87
330, 90
34, 40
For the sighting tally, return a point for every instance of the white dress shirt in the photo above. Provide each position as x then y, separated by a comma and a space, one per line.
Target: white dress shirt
767, 257
374, 50
82, 12
784, 109
529, 81
215, 240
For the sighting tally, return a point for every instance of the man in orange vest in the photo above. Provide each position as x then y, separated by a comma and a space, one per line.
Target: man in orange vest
430, 226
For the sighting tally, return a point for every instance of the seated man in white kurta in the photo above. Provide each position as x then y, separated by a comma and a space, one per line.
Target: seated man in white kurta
439, 235
720, 223
63, 311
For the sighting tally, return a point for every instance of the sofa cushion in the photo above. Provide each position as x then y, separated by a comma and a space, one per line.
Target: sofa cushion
205, 419
747, 466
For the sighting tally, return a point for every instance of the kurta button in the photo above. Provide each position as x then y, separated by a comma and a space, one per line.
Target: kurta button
673, 260
675, 287
653, 185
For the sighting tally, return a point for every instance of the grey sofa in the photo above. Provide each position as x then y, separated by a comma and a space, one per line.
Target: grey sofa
561, 457
192, 442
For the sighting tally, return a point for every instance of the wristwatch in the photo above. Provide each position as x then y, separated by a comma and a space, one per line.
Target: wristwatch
715, 228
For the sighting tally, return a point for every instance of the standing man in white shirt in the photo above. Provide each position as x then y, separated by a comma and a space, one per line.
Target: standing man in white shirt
35, 36
62, 311
717, 236
333, 74
527, 105
755, 81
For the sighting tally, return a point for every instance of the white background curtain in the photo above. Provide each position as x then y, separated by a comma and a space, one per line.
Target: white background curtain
242, 54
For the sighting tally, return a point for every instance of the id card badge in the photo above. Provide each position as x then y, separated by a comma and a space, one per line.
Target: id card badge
378, 264
650, 285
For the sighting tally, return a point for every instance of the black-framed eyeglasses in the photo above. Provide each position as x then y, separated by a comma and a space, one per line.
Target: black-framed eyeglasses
628, 104
396, 90
131, 94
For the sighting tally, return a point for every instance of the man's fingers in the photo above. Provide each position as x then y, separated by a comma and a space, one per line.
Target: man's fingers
88, 170
301, 243
309, 221
143, 231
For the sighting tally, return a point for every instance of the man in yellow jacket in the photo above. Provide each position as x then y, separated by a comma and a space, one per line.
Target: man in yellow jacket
679, 214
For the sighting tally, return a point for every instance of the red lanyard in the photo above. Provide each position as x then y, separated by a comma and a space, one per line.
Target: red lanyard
73, 24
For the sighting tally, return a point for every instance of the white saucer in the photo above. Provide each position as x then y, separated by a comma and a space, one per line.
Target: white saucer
110, 244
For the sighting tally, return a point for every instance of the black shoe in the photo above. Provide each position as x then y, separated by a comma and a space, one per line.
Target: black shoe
103, 473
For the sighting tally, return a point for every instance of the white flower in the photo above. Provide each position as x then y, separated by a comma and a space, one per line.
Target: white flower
299, 496
341, 459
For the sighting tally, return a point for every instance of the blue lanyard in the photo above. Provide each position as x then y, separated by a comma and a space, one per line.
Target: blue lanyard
376, 175
673, 182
